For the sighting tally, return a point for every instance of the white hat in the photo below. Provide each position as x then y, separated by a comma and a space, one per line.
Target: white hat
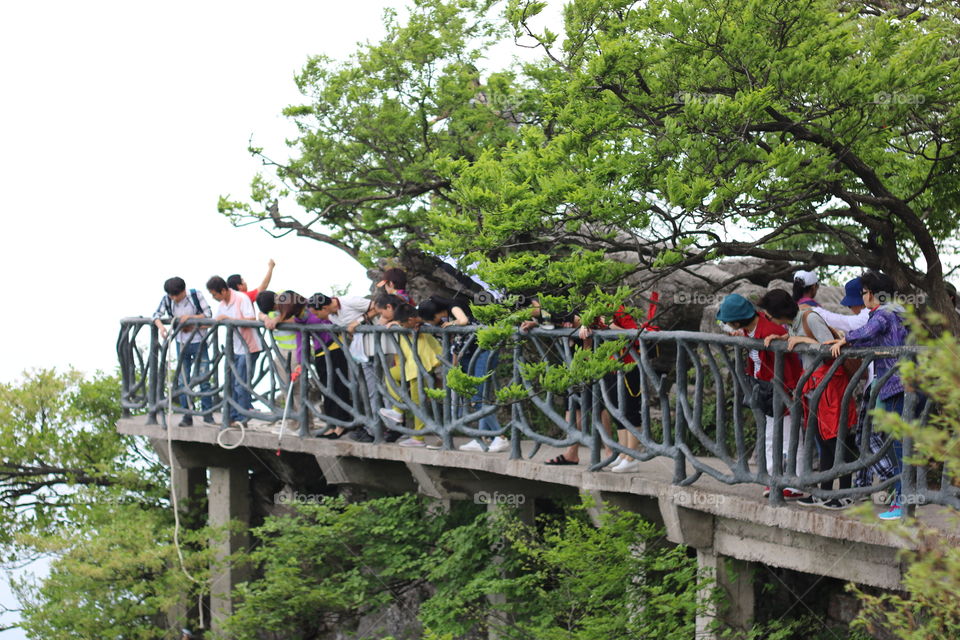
809, 278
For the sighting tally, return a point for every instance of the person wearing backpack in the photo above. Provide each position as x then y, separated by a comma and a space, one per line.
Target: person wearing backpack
807, 327
180, 305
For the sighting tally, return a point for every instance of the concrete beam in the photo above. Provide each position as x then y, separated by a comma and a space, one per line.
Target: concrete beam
229, 501
386, 475
687, 526
819, 555
196, 455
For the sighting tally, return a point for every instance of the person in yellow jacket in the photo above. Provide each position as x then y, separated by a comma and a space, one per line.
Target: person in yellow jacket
407, 370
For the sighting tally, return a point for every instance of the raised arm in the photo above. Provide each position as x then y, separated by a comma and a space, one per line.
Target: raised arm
267, 278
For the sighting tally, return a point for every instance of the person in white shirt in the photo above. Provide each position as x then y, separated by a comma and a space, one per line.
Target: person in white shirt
853, 299
246, 343
181, 305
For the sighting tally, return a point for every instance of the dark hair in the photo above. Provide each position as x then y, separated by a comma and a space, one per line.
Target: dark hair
404, 312
396, 277
319, 300
880, 284
779, 304
800, 290
234, 281
387, 300
266, 301
433, 305
216, 283
289, 304
174, 286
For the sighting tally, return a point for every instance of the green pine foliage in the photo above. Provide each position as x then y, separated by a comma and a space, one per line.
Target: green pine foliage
95, 506
930, 604
563, 578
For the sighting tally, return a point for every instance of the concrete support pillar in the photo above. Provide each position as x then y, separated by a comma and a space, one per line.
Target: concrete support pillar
734, 580
229, 500
526, 511
190, 487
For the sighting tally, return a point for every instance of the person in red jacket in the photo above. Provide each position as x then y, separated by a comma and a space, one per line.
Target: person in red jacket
740, 315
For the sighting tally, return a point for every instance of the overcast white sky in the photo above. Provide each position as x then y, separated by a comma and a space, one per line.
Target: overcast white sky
121, 123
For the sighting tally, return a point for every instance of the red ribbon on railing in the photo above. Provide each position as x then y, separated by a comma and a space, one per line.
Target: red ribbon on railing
652, 312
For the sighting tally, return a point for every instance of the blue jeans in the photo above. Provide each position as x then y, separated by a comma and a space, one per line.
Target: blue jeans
243, 365
483, 363
894, 404
188, 354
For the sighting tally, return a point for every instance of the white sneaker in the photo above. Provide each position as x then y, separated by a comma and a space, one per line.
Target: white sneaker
499, 444
626, 466
473, 445
391, 414
411, 442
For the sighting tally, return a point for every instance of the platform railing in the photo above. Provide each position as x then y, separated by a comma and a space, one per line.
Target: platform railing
697, 405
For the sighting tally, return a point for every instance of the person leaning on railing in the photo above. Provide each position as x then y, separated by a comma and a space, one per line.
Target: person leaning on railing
292, 307
742, 319
806, 327
235, 305
331, 362
285, 354
633, 383
884, 328
578, 401
181, 305
407, 370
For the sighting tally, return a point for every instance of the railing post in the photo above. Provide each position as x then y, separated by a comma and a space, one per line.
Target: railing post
228, 374
126, 368
152, 373
515, 451
679, 459
306, 363
908, 485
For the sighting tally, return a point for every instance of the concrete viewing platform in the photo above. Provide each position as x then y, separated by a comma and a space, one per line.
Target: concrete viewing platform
734, 521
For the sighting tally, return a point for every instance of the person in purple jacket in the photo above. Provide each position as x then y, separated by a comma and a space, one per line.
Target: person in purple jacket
884, 328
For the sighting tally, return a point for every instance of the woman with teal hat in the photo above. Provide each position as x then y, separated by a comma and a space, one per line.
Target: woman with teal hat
738, 312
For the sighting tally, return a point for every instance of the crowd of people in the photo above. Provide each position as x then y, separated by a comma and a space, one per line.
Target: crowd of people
875, 320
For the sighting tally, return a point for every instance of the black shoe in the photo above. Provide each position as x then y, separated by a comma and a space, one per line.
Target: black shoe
836, 504
361, 435
391, 436
209, 420
186, 421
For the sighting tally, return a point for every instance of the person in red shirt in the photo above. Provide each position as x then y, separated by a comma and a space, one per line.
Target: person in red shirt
237, 283
740, 315
631, 408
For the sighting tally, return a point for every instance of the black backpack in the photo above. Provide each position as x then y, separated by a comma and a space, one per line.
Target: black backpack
196, 303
